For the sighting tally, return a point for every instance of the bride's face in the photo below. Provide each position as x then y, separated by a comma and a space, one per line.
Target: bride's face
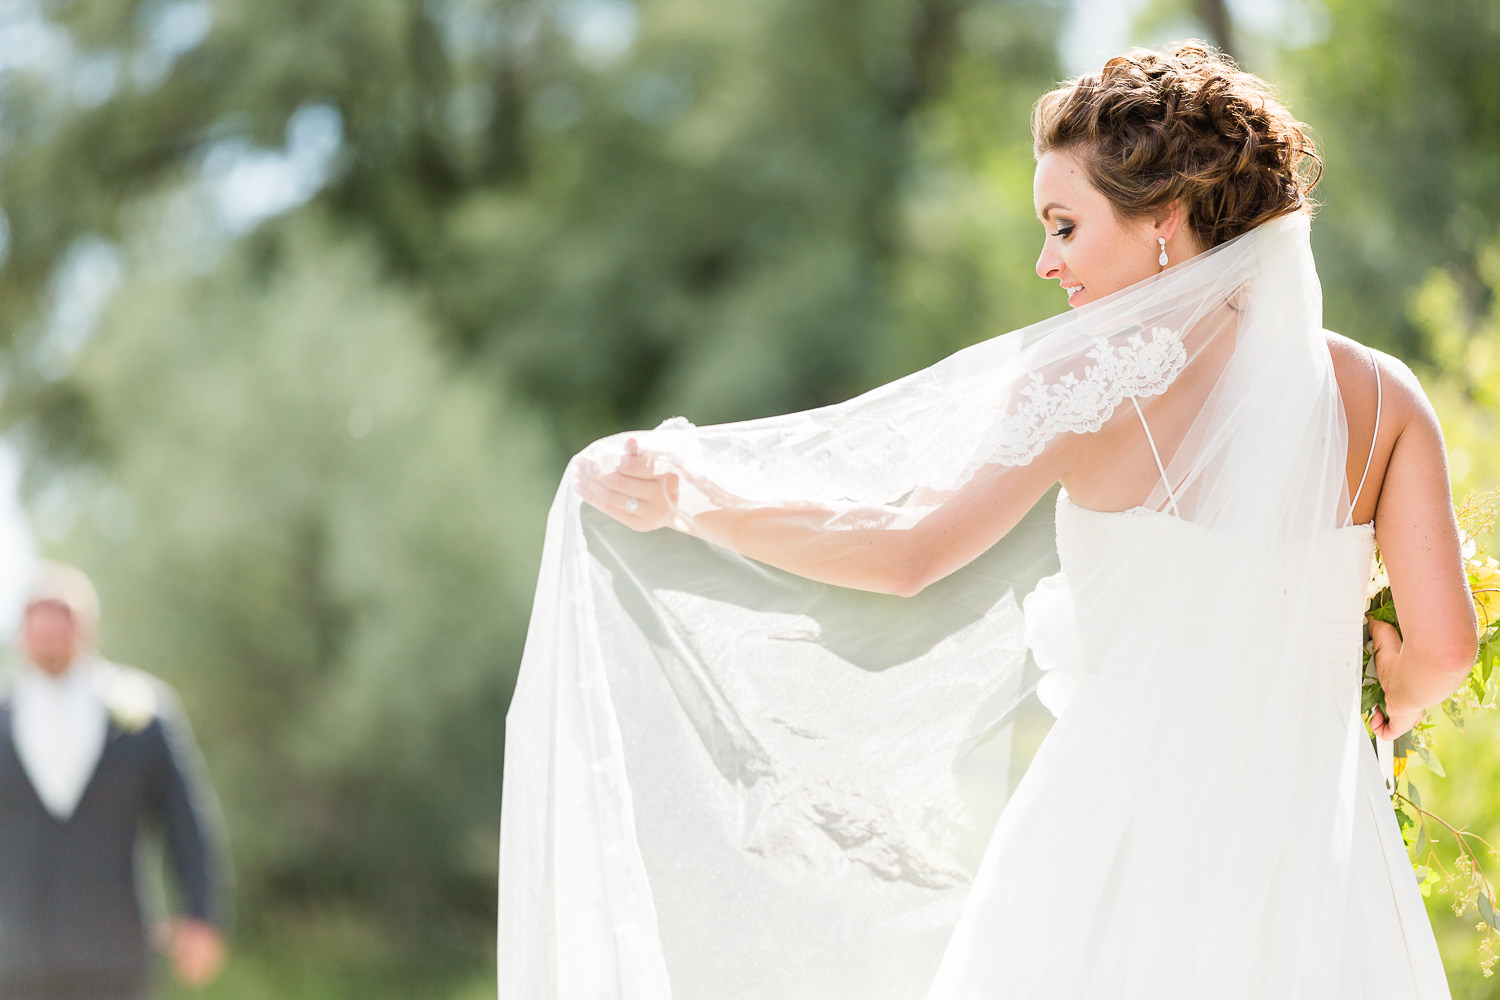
1089, 249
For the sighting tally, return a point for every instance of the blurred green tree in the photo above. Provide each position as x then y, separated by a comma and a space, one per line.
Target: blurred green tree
1463, 375
1405, 100
621, 210
326, 539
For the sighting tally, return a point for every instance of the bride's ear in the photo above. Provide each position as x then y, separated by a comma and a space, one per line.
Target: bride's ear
1171, 223
1169, 220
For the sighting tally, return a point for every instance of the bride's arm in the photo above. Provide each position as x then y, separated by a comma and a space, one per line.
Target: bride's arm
1418, 536
876, 548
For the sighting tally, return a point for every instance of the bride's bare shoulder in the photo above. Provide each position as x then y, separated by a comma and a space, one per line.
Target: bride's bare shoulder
1401, 462
1354, 364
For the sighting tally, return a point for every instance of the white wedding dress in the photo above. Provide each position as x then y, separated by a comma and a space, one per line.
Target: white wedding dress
1084, 892
726, 782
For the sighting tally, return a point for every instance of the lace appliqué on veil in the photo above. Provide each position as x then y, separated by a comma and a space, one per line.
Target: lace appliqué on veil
1136, 367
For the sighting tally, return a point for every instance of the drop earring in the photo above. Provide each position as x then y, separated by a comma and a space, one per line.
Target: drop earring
1162, 260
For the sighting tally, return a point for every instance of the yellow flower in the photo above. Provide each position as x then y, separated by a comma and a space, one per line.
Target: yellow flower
1484, 580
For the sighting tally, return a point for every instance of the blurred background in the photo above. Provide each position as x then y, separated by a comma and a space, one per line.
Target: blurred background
305, 303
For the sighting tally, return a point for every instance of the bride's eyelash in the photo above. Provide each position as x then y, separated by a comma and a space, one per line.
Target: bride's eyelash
1064, 231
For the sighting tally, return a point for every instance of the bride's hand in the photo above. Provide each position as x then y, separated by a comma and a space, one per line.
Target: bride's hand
633, 493
1387, 643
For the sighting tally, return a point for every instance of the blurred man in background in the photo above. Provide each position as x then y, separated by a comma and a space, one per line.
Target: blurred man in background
93, 754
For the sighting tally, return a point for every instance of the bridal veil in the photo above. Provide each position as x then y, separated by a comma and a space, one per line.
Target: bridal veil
723, 781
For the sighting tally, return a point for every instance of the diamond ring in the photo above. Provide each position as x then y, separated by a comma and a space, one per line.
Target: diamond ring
632, 505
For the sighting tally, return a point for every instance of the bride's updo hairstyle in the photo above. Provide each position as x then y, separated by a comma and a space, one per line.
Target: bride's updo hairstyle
1188, 124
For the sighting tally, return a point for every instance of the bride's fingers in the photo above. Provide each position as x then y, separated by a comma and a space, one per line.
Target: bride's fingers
641, 489
635, 477
606, 488
1382, 726
616, 505
632, 508
614, 478
597, 494
636, 466
1386, 728
643, 501
636, 463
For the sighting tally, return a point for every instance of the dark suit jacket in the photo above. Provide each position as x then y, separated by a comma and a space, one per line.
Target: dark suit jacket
71, 922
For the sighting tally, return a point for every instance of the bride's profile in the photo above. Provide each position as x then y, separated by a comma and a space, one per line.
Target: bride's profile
768, 753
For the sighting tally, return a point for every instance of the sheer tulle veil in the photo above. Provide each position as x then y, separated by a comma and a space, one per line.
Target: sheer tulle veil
724, 781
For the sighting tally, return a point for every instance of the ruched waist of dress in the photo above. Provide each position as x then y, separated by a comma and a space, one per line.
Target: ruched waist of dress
1146, 594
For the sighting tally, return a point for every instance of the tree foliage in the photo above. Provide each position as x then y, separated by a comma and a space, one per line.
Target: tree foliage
1406, 103
326, 538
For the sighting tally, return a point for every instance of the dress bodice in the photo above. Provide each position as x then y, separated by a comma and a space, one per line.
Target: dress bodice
1143, 580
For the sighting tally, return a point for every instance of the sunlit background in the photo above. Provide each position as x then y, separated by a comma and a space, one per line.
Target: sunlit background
306, 302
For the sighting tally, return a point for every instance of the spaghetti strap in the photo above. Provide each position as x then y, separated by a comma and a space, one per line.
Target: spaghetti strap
1374, 437
1171, 497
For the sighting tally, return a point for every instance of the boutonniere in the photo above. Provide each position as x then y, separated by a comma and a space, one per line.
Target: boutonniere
128, 695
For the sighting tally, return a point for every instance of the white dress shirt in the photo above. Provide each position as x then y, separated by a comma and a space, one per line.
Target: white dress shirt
59, 725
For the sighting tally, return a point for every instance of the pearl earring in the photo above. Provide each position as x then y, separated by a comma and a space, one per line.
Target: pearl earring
1162, 260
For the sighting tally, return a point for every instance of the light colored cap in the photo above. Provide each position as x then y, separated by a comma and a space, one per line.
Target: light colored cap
67, 585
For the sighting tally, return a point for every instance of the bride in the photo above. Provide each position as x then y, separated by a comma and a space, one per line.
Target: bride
768, 754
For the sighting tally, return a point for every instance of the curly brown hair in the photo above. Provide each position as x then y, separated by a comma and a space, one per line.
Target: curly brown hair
1186, 124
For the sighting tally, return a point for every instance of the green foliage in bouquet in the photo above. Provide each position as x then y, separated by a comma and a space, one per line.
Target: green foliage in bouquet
1458, 873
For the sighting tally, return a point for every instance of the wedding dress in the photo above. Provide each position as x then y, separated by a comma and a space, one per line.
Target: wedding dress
1086, 889
723, 781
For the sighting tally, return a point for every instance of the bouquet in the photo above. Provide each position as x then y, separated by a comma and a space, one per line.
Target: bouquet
1460, 874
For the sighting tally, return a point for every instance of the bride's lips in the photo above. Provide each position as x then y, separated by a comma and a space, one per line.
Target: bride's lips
1072, 291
